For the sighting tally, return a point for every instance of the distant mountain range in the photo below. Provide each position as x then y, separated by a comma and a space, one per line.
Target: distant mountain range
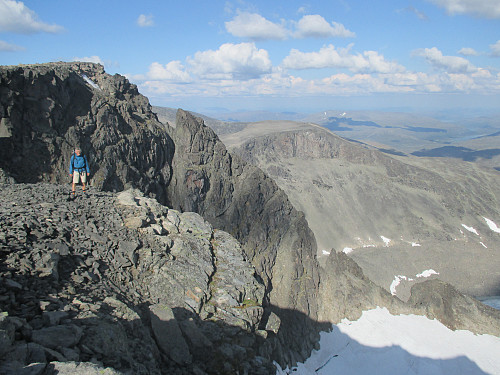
469, 139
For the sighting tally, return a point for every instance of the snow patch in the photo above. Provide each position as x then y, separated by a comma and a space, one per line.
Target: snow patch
397, 279
471, 229
347, 250
414, 244
396, 282
492, 225
326, 252
368, 245
427, 273
483, 245
381, 343
90, 82
386, 240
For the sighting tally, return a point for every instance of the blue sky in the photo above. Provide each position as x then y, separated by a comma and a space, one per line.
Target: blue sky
274, 55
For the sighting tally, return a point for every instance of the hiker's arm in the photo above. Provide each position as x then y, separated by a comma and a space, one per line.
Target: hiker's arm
71, 165
87, 165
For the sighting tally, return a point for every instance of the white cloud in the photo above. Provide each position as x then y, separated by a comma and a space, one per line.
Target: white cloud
451, 64
495, 49
17, 18
255, 27
173, 71
468, 52
316, 26
280, 83
244, 70
330, 57
480, 8
231, 61
145, 20
92, 59
7, 47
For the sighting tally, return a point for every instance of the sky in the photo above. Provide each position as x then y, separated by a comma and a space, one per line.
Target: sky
294, 55
383, 344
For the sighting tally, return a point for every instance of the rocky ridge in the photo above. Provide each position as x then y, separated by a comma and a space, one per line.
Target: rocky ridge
123, 282
128, 147
48, 109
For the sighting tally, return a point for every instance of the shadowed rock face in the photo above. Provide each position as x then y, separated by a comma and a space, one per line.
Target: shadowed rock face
240, 199
48, 109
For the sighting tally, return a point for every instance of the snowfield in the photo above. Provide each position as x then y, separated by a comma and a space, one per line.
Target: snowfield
347, 250
386, 240
383, 344
428, 273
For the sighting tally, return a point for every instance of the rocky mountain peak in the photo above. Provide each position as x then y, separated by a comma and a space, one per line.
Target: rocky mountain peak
48, 109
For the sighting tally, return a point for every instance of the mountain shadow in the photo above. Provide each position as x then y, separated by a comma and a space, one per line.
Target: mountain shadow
463, 153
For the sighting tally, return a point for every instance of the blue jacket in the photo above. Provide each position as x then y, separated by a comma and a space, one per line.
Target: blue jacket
78, 163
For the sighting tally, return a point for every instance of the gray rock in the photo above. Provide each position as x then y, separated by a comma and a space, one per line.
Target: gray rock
169, 335
53, 318
65, 336
442, 301
273, 323
32, 369
7, 330
80, 368
194, 335
5, 178
61, 105
13, 284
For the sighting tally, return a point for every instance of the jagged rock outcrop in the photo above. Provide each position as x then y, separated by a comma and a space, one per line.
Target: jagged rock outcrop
125, 283
240, 199
441, 301
48, 109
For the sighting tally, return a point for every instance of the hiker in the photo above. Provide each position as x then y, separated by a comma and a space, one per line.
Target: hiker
78, 169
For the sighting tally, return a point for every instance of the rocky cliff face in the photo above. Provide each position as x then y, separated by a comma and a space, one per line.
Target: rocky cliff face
46, 110
238, 198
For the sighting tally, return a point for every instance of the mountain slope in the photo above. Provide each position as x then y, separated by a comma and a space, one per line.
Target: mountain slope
394, 215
